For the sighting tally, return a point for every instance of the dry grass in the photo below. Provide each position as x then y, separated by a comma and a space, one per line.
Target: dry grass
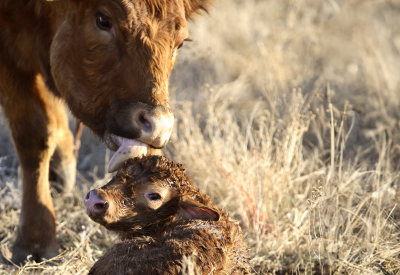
287, 115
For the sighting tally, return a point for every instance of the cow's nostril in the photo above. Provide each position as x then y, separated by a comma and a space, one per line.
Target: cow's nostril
146, 125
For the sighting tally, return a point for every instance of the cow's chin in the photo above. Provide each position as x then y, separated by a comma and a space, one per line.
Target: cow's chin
125, 149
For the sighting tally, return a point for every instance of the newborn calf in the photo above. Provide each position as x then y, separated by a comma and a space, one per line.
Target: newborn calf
161, 217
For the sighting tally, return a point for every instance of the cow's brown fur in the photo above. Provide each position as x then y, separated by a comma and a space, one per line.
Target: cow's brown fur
156, 238
52, 52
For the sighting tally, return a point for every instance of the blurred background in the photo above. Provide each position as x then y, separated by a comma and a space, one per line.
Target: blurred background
287, 115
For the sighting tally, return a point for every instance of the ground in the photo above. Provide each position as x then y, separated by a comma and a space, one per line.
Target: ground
287, 115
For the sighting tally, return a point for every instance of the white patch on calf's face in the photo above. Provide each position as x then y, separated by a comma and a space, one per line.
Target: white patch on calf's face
144, 191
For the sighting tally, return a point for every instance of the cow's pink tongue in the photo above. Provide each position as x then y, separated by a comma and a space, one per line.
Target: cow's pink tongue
129, 148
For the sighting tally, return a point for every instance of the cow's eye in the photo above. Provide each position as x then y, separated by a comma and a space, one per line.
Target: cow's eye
104, 23
186, 39
154, 197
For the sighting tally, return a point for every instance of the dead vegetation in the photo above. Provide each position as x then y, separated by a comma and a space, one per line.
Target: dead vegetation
292, 109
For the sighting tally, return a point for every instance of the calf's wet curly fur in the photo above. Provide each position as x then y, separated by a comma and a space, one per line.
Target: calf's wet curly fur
163, 219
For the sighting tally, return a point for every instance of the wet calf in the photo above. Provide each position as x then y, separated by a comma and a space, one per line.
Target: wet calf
162, 218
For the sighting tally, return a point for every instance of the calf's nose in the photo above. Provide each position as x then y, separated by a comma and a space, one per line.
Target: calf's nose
94, 204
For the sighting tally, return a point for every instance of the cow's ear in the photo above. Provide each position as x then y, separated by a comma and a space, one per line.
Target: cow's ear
192, 7
191, 209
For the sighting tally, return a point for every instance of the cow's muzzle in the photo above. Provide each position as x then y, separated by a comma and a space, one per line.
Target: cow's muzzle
134, 127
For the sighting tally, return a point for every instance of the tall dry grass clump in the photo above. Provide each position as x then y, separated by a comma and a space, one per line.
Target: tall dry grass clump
287, 115
300, 212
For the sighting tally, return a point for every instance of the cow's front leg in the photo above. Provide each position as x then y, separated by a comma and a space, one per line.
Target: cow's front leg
33, 126
63, 161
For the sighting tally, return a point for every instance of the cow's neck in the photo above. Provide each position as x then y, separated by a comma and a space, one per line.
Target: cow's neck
36, 22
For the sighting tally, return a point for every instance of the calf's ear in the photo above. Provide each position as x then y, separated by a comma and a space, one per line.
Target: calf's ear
193, 7
191, 209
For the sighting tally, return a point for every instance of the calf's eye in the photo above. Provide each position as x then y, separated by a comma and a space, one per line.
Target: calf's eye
104, 23
154, 197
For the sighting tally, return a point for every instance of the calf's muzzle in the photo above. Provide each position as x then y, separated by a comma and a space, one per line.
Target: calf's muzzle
95, 204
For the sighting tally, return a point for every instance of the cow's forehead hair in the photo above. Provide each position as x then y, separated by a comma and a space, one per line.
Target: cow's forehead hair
155, 19
153, 7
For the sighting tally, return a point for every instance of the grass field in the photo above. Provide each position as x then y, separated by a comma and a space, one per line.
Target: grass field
287, 114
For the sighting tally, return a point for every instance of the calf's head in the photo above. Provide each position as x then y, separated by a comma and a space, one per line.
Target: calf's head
111, 61
145, 193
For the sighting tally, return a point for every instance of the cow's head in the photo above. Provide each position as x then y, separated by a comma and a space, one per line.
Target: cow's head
111, 60
146, 192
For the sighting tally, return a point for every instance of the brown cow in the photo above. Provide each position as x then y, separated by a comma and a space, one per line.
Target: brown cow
109, 60
162, 217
